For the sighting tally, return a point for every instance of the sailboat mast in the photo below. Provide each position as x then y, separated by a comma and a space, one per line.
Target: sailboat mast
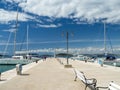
105, 39
15, 32
27, 38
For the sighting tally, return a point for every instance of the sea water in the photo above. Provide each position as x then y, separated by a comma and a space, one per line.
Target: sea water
7, 67
4, 68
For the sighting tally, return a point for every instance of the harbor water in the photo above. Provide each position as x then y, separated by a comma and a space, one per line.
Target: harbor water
4, 68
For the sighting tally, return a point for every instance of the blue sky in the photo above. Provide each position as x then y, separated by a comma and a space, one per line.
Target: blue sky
49, 20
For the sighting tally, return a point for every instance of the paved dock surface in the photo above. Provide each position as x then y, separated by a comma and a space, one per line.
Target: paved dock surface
51, 75
104, 74
47, 75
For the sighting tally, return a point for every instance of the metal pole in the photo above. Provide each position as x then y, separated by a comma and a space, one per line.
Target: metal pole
55, 53
27, 40
105, 39
15, 32
67, 46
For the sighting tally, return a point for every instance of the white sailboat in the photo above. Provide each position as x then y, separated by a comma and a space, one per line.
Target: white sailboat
28, 55
109, 60
20, 57
17, 59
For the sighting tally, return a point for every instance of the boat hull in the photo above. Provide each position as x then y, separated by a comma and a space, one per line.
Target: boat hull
113, 63
15, 61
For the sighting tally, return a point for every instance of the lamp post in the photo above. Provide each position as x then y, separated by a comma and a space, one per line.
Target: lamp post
67, 47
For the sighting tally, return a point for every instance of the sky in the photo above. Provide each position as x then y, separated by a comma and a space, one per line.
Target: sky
48, 21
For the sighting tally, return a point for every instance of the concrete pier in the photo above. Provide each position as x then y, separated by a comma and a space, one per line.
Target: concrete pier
51, 75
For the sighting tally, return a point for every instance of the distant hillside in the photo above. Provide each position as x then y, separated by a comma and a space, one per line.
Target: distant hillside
64, 55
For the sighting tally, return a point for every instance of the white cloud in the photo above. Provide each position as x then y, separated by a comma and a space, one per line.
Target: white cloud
9, 30
18, 1
84, 9
49, 26
87, 50
6, 16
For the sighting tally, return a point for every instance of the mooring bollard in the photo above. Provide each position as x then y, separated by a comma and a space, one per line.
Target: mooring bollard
19, 69
114, 64
101, 63
0, 76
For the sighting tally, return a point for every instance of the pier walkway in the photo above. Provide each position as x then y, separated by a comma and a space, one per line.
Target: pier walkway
46, 75
104, 74
51, 75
